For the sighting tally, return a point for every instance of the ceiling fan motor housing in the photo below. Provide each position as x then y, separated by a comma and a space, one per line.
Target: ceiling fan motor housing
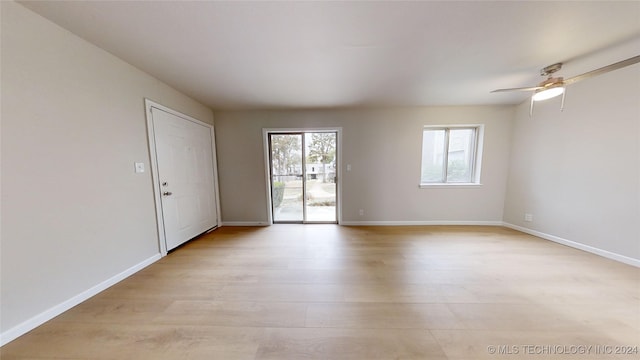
547, 71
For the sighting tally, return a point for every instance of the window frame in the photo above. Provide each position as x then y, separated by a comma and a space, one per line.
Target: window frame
476, 156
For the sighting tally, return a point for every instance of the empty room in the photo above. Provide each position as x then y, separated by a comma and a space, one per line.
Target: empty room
320, 180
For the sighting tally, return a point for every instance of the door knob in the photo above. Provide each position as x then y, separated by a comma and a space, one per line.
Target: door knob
167, 193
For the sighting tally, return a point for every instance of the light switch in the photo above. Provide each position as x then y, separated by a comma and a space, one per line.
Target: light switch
139, 167
348, 167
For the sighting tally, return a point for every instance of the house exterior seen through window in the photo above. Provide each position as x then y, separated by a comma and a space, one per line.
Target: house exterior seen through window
450, 155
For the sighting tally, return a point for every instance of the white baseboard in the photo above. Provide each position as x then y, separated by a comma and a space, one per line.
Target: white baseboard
379, 223
604, 253
245, 223
420, 223
49, 314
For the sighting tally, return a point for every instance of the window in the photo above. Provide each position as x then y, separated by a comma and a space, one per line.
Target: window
450, 155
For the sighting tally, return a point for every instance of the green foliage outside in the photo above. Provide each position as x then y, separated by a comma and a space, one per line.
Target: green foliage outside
458, 171
285, 153
278, 193
322, 149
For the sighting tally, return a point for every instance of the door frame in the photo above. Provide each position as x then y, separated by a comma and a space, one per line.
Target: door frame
267, 164
149, 104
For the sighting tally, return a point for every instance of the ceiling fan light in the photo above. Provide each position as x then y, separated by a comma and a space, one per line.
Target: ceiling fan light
548, 93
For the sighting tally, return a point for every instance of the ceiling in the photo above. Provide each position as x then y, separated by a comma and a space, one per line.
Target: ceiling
274, 55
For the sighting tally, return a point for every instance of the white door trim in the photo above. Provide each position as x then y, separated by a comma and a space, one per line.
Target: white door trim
267, 165
149, 104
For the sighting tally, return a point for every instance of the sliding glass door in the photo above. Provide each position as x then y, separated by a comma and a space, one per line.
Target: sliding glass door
287, 186
303, 177
320, 176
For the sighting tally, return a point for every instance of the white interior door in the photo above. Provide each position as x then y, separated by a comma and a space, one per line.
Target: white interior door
185, 168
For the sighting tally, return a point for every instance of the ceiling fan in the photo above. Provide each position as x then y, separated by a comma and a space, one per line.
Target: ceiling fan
554, 86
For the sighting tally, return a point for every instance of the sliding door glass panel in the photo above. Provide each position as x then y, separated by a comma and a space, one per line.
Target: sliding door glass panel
320, 176
287, 185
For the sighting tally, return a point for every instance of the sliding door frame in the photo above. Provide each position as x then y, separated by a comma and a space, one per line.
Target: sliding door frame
267, 164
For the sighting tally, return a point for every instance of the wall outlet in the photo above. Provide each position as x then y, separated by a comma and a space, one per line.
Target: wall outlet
361, 212
528, 217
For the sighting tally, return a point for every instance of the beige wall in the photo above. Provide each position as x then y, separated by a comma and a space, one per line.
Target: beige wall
578, 171
383, 147
74, 213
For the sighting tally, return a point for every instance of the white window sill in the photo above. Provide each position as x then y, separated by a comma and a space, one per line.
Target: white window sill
450, 185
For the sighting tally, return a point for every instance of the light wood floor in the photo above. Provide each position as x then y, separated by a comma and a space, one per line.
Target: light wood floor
330, 292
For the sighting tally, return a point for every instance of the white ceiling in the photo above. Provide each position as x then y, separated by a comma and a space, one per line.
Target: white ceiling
248, 55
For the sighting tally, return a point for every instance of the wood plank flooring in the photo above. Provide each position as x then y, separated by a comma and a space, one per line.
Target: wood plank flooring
335, 292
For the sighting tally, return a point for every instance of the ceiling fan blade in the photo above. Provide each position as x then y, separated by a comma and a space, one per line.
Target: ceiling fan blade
602, 70
532, 88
